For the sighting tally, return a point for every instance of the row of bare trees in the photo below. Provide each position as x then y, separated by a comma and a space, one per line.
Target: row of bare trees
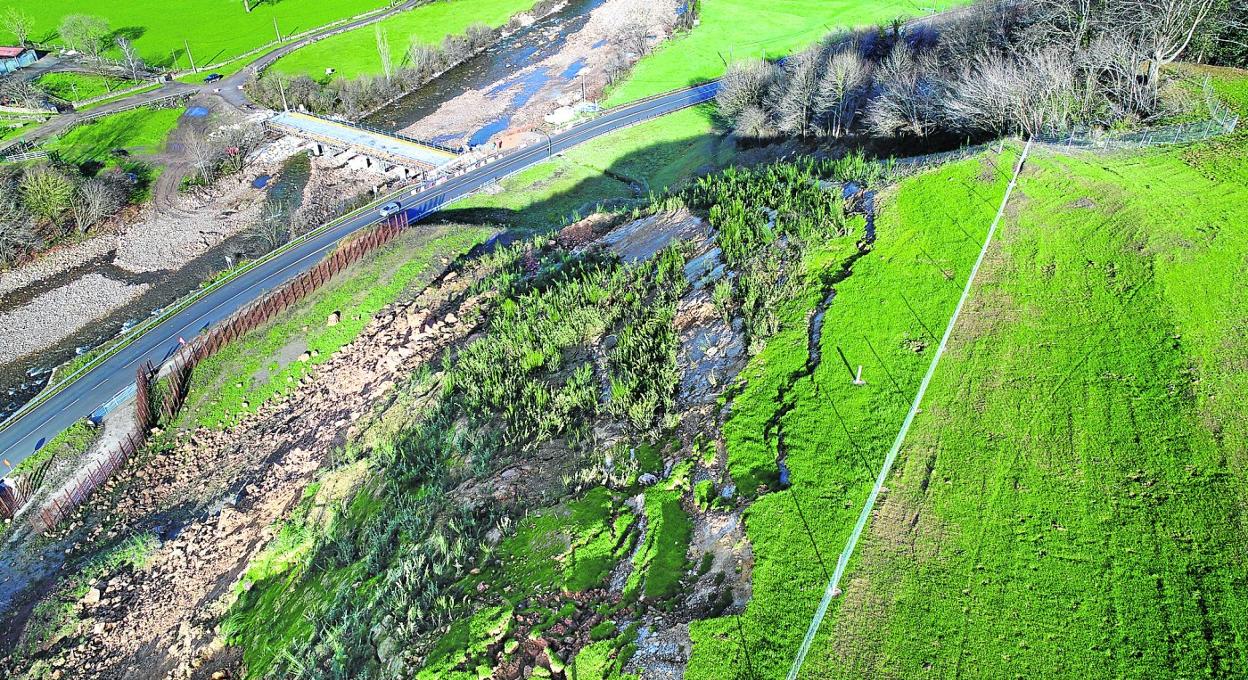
1000, 66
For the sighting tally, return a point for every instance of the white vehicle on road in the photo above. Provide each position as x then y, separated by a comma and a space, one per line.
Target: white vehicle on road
389, 209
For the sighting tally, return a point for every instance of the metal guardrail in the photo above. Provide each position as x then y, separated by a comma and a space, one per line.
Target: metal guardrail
383, 133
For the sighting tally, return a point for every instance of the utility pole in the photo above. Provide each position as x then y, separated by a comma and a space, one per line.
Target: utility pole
189, 55
282, 88
277, 30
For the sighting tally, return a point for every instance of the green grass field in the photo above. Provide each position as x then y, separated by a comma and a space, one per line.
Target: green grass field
927, 241
354, 53
215, 30
10, 128
76, 87
732, 30
139, 131
1071, 500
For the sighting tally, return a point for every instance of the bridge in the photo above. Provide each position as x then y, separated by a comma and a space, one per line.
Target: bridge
367, 143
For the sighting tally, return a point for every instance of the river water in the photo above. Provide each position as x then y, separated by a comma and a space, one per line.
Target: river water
496, 65
22, 379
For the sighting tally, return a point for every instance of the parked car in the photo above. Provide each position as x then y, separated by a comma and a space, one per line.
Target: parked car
213, 77
389, 209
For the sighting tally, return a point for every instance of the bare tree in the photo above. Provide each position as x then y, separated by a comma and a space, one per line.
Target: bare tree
743, 85
841, 91
633, 36
94, 200
85, 33
130, 58
383, 51
273, 228
203, 153
18, 237
908, 98
791, 99
21, 92
18, 23
1163, 27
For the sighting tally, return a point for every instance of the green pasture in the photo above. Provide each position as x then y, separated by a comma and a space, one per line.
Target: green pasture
76, 87
929, 230
1070, 500
215, 30
354, 53
733, 30
139, 131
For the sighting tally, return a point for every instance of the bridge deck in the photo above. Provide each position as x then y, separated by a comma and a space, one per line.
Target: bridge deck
365, 141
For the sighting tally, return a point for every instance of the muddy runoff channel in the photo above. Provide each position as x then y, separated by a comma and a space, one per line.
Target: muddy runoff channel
23, 378
864, 202
493, 73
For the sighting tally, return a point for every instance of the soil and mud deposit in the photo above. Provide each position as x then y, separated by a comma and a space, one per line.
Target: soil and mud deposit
210, 499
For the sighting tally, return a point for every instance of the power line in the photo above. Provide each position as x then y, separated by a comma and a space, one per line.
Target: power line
833, 587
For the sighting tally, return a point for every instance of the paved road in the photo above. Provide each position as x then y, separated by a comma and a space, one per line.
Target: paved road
24, 435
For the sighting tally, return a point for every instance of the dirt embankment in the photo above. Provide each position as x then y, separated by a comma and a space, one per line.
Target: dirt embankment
214, 495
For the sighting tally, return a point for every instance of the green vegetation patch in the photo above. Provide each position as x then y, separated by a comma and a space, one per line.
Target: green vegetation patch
571, 547
605, 659
214, 30
354, 53
734, 30
266, 362
1064, 504
466, 643
72, 441
138, 132
279, 591
13, 127
661, 562
76, 87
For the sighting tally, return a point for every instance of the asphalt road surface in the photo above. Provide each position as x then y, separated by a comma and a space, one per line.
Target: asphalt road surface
23, 435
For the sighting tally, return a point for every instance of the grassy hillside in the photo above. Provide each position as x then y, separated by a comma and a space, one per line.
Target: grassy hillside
139, 131
910, 281
76, 87
215, 30
354, 53
736, 29
1071, 499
